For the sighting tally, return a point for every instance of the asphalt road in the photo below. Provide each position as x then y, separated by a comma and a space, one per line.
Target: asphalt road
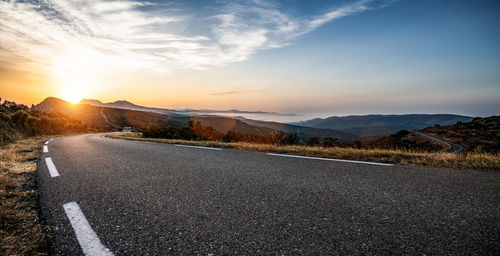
159, 199
454, 147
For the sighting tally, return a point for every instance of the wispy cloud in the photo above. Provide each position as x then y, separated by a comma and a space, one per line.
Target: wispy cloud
96, 37
225, 93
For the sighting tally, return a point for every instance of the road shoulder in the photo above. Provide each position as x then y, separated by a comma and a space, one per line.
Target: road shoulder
21, 232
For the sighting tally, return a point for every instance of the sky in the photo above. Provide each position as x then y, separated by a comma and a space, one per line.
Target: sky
312, 58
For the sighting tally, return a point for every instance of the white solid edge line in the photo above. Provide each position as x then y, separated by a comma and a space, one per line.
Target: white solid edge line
88, 239
45, 149
52, 168
330, 159
188, 146
47, 142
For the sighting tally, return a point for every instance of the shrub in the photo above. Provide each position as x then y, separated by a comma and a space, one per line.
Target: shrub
17, 121
313, 141
330, 142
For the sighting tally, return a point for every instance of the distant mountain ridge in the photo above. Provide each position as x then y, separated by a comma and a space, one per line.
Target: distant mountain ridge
304, 131
115, 104
129, 105
381, 125
109, 116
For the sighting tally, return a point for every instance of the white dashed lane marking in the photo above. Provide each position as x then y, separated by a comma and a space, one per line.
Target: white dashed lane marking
330, 159
87, 238
187, 146
52, 168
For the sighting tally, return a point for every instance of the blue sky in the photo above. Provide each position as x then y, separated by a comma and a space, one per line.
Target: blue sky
307, 57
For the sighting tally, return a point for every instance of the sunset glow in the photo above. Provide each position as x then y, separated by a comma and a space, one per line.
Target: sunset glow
72, 96
348, 57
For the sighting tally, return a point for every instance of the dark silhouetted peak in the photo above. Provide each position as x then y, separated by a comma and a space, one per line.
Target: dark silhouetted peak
123, 104
52, 104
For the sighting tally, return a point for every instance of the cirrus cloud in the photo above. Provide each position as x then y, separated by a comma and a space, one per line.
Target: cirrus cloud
100, 37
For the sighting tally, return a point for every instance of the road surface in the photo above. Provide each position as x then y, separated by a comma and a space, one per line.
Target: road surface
105, 196
454, 147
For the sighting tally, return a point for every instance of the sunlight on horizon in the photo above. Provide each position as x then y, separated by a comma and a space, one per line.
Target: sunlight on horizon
73, 73
74, 96
301, 57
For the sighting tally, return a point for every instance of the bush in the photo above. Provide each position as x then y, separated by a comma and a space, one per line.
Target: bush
313, 141
17, 121
153, 130
196, 131
330, 142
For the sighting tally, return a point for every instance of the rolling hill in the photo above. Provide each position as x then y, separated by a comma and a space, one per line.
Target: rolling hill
381, 125
303, 131
123, 104
481, 134
103, 118
113, 116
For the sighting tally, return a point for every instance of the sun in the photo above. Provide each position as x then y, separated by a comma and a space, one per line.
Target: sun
73, 76
72, 95
73, 98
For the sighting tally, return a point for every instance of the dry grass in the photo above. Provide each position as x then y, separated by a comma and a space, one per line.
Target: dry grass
20, 230
476, 161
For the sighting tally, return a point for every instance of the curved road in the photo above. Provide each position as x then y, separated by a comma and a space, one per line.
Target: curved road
454, 147
137, 198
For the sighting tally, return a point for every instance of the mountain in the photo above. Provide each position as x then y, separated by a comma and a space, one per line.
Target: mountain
115, 115
380, 125
103, 118
303, 131
128, 105
52, 104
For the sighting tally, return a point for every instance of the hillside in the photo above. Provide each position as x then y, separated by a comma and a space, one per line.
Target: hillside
305, 132
110, 118
406, 140
226, 124
87, 114
380, 125
481, 134
94, 116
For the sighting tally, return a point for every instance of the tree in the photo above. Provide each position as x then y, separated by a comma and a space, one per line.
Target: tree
277, 137
330, 142
19, 119
313, 141
291, 139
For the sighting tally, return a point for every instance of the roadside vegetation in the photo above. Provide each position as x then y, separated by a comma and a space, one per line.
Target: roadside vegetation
22, 131
20, 230
470, 160
194, 130
19, 121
